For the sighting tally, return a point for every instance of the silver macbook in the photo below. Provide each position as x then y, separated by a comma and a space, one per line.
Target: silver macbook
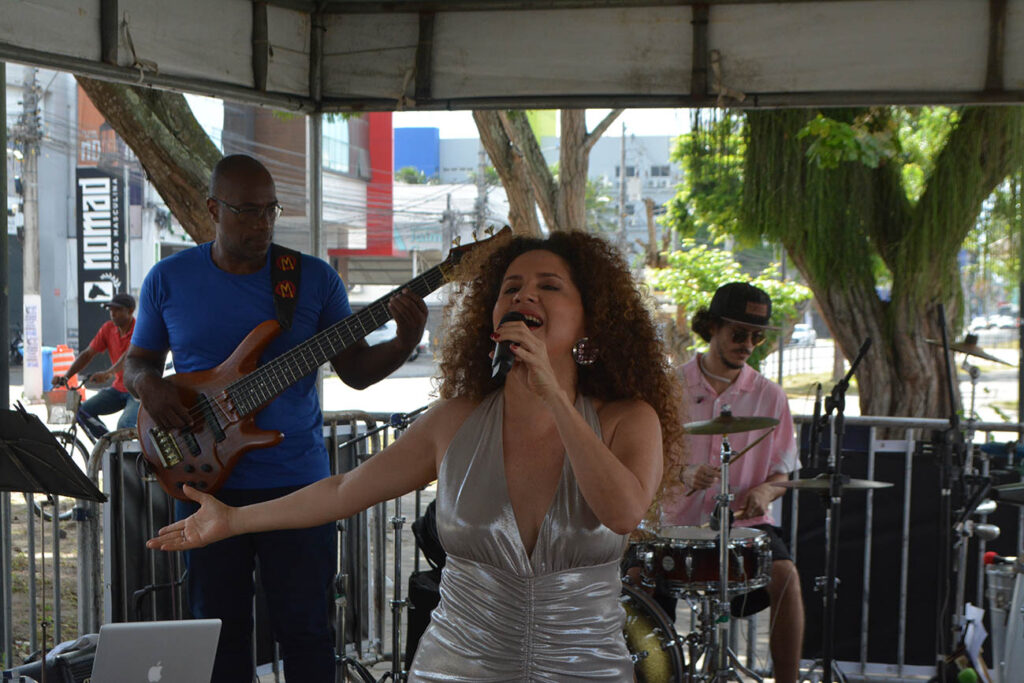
156, 652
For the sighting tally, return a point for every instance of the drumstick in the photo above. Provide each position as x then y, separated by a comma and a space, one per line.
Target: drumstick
737, 456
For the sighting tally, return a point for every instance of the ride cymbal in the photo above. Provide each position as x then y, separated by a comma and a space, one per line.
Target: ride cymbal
821, 482
969, 346
729, 424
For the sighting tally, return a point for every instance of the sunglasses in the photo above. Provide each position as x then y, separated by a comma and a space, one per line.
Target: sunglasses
740, 336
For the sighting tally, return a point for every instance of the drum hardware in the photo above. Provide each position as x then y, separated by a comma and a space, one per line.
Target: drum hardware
720, 661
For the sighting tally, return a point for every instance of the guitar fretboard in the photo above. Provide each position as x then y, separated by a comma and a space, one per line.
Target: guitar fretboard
258, 388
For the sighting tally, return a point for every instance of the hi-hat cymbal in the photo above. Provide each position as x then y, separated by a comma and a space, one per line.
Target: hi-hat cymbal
969, 345
729, 424
821, 482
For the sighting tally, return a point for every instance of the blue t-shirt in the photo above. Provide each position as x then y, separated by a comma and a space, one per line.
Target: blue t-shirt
201, 313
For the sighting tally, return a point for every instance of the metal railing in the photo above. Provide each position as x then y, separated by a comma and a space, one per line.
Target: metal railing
373, 541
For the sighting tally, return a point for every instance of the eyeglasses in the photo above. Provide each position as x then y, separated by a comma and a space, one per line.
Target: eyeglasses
741, 334
251, 214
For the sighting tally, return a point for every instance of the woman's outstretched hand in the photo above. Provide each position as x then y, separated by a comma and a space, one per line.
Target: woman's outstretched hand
210, 523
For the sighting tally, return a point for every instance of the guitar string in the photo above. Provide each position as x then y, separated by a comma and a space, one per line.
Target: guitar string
341, 329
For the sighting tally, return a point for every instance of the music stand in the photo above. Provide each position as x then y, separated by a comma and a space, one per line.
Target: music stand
31, 460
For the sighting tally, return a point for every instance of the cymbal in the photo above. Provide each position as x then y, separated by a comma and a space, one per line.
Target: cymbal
969, 346
821, 483
729, 424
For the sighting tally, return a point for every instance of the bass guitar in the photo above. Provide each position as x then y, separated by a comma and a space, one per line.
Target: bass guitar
224, 400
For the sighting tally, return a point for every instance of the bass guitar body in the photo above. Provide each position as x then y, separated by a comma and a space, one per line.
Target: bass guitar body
221, 433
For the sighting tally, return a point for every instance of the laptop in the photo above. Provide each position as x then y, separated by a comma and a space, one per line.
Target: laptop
156, 652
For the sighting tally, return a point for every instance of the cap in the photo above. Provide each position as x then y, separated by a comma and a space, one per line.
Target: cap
739, 302
122, 300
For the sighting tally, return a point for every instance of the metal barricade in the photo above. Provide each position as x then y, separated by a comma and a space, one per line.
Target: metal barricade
373, 541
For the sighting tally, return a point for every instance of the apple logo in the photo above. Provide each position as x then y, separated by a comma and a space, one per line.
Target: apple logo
154, 674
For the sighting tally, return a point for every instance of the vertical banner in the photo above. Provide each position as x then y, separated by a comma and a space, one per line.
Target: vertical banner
101, 218
32, 355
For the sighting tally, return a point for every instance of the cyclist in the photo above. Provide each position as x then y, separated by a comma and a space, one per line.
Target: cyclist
113, 337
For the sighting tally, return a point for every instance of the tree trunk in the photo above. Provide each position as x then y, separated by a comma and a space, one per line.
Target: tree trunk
574, 159
509, 164
172, 147
529, 184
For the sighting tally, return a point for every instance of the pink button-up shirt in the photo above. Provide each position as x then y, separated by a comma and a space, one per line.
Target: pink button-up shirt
750, 395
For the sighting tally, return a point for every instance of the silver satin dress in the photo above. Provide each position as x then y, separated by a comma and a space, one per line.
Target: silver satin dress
503, 615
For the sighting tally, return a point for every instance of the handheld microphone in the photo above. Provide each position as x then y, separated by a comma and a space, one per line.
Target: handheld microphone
503, 356
992, 558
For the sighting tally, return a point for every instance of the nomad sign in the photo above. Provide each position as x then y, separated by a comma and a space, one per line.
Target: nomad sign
102, 272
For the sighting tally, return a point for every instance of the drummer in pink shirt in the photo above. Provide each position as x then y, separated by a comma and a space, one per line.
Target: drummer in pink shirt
733, 325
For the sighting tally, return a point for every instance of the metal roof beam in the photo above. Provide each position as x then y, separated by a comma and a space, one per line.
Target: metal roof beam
996, 45
424, 56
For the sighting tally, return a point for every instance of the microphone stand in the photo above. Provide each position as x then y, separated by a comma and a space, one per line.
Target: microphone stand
836, 401
950, 445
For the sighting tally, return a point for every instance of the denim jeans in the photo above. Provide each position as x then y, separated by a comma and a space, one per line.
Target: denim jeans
105, 402
297, 570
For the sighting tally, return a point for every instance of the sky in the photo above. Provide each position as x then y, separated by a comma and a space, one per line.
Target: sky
459, 124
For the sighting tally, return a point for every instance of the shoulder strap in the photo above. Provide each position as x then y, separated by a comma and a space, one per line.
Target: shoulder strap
285, 269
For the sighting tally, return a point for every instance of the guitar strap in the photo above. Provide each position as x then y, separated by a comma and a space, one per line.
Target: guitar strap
285, 269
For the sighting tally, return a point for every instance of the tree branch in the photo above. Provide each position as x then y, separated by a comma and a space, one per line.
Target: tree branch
545, 188
170, 144
511, 169
593, 136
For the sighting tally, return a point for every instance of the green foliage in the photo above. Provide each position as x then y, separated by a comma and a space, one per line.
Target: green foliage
410, 175
697, 270
869, 139
708, 199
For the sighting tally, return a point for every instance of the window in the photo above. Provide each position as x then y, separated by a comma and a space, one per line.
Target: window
661, 171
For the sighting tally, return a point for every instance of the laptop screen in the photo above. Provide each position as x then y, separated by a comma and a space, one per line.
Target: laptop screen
156, 652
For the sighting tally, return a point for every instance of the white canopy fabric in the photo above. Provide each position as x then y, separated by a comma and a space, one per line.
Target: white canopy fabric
345, 55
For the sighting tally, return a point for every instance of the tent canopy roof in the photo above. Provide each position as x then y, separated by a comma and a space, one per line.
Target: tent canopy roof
353, 55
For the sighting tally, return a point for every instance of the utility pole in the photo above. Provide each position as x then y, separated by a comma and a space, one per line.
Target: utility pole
622, 190
26, 135
449, 225
480, 221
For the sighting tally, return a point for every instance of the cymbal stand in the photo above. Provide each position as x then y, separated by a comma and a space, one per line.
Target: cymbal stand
726, 663
827, 584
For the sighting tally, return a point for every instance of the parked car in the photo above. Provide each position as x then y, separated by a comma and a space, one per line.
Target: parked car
979, 322
803, 335
389, 330
1003, 322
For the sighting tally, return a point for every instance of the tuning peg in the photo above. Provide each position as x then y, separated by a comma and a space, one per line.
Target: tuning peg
474, 235
457, 242
489, 231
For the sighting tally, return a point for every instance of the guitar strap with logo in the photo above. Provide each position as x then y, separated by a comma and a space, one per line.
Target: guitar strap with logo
285, 268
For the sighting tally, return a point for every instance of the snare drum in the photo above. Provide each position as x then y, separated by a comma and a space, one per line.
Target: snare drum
651, 638
686, 559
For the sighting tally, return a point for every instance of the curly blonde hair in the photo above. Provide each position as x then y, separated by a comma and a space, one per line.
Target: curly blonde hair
631, 362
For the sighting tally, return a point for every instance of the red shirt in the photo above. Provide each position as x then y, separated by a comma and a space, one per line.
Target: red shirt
110, 339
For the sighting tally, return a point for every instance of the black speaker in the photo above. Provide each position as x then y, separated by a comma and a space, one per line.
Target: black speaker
925, 602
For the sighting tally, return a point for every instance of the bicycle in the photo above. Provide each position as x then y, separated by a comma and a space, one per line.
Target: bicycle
62, 408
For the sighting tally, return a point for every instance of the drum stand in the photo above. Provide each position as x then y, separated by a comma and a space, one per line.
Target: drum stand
714, 610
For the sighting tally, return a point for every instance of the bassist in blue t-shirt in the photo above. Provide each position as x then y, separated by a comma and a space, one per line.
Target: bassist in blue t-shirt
202, 304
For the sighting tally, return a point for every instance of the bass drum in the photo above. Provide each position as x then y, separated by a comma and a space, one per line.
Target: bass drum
651, 638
